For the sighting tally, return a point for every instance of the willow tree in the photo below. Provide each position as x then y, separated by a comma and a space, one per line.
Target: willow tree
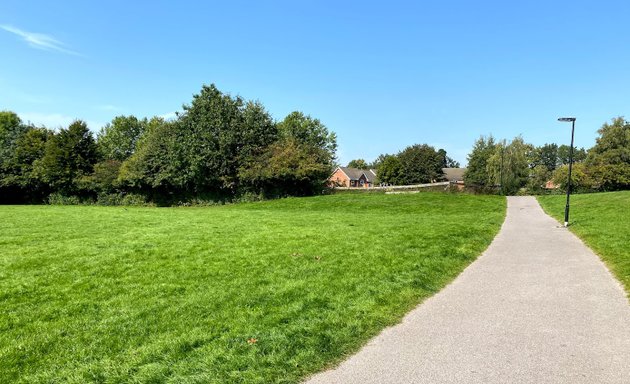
508, 165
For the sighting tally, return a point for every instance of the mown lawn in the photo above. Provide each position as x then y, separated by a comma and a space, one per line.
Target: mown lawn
602, 220
253, 293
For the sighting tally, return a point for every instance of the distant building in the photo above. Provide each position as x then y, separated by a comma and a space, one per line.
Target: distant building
455, 176
352, 177
551, 185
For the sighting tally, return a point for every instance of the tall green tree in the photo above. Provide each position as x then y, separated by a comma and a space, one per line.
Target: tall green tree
358, 163
390, 170
258, 132
421, 163
69, 155
508, 165
11, 129
307, 130
118, 139
157, 165
205, 149
218, 134
476, 174
20, 146
299, 162
579, 154
30, 149
208, 141
547, 156
378, 161
288, 167
609, 160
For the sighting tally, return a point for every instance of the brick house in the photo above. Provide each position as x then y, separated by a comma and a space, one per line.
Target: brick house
352, 177
455, 176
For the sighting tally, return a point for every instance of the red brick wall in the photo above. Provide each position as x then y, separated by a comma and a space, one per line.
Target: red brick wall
339, 179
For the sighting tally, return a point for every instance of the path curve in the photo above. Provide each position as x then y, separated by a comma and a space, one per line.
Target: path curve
537, 307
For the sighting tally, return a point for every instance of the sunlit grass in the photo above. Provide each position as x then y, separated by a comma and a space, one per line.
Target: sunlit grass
253, 293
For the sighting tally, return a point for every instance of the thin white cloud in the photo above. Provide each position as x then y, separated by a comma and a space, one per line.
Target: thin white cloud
40, 40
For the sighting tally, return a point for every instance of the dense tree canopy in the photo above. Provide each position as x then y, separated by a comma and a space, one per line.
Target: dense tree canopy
155, 164
118, 140
608, 161
546, 156
579, 154
288, 167
220, 146
477, 171
419, 163
228, 146
358, 163
390, 169
546, 159
11, 128
307, 130
508, 166
500, 166
21, 145
68, 156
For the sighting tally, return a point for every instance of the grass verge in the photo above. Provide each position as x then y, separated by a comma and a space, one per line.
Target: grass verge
265, 292
601, 220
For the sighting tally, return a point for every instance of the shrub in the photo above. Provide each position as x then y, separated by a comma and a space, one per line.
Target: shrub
59, 199
129, 199
135, 199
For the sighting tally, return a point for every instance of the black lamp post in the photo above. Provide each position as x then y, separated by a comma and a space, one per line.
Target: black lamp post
502, 151
566, 208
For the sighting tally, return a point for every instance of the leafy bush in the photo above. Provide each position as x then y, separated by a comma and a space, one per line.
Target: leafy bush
135, 199
105, 199
59, 199
581, 178
128, 199
249, 197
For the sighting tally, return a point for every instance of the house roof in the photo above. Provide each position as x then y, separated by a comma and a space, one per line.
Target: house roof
370, 174
355, 173
454, 174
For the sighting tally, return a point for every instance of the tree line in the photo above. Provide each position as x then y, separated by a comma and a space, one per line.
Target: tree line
219, 148
518, 167
416, 164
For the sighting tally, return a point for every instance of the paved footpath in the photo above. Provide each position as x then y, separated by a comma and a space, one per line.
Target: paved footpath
537, 307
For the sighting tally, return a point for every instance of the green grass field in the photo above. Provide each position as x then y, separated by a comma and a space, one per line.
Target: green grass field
602, 220
265, 292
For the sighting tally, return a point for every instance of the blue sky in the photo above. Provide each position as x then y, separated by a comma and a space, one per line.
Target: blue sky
382, 75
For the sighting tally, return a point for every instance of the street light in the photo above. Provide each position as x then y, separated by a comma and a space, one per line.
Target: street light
566, 208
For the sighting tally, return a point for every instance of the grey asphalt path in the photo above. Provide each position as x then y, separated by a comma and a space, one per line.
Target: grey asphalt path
537, 307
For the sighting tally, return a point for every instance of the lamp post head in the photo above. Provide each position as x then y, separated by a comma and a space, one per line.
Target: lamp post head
566, 119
